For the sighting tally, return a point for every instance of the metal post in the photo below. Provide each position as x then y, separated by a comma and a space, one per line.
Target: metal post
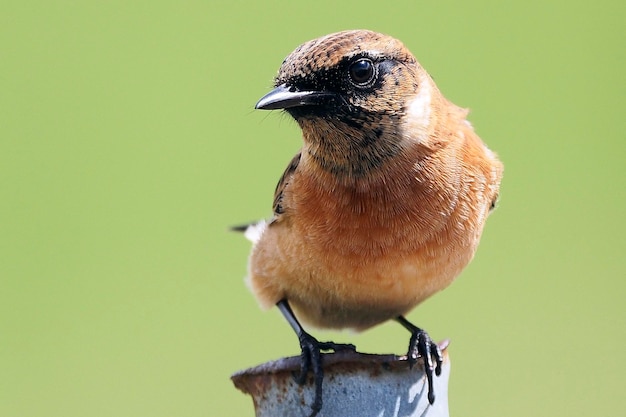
355, 385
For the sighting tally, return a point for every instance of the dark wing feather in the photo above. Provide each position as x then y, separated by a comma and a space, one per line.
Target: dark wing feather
280, 187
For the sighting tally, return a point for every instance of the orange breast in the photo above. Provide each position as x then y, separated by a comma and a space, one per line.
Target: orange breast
354, 255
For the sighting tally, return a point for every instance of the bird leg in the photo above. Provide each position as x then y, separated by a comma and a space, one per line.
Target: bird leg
421, 345
311, 354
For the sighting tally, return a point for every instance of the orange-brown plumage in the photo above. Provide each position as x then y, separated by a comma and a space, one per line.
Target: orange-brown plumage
352, 249
387, 201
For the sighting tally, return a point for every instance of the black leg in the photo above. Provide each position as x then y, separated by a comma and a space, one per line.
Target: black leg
421, 345
311, 354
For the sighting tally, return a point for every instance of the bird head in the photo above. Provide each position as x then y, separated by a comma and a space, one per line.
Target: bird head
360, 98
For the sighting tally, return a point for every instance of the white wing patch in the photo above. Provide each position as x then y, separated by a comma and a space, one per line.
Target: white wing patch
254, 231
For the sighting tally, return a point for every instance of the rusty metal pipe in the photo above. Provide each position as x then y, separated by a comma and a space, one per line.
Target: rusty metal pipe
355, 385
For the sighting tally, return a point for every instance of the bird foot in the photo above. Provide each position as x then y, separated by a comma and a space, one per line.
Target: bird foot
422, 346
311, 357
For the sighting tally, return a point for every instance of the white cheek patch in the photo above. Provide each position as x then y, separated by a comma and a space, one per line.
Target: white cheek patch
419, 109
417, 119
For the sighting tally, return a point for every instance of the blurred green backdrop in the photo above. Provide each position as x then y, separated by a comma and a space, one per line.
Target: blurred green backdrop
128, 145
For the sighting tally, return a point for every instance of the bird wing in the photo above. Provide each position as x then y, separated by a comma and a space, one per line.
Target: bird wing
280, 187
253, 231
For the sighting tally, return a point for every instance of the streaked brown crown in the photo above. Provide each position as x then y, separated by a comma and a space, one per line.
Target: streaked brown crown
328, 51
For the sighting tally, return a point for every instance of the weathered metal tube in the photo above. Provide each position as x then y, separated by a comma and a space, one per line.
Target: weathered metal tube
355, 385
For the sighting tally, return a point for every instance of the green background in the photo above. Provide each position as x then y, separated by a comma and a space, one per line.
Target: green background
129, 143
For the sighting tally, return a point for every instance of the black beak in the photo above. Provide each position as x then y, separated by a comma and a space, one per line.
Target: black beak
285, 97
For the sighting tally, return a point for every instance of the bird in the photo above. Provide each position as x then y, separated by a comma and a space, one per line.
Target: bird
384, 204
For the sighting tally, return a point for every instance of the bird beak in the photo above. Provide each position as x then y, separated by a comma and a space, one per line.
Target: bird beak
285, 97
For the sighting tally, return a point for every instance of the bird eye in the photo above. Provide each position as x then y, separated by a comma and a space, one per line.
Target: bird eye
362, 71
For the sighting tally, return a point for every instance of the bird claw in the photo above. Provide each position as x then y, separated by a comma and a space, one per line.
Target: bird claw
311, 357
421, 345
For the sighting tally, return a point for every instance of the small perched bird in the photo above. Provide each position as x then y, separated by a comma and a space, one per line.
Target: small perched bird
383, 206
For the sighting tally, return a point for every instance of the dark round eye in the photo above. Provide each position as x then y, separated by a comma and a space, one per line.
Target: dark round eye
362, 71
